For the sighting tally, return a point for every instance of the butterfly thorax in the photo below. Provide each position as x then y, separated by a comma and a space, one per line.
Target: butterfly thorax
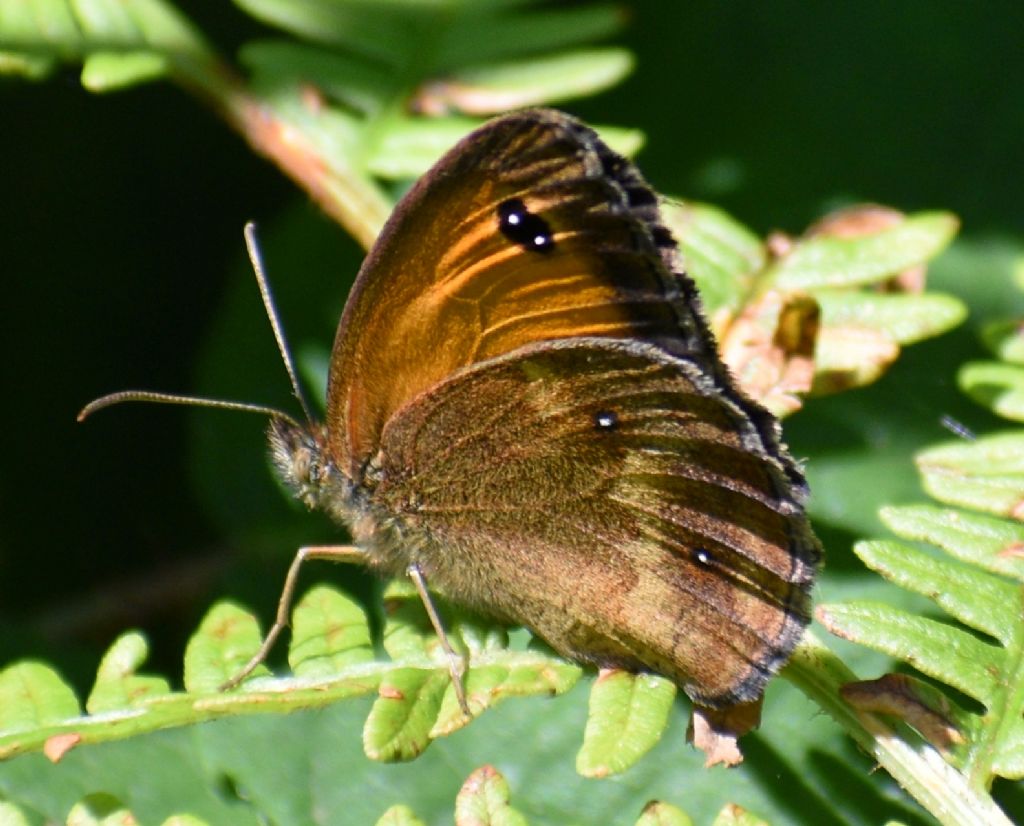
304, 463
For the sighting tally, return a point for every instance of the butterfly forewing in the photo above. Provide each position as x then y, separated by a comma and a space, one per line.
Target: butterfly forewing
453, 277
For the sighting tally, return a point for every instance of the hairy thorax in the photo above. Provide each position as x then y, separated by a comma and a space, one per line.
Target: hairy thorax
302, 460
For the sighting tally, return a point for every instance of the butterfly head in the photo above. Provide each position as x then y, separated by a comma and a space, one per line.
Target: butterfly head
303, 463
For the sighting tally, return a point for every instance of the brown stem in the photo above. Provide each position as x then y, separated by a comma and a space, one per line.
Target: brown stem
352, 199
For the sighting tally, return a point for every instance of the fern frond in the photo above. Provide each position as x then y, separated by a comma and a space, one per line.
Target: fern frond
972, 568
119, 44
332, 658
810, 315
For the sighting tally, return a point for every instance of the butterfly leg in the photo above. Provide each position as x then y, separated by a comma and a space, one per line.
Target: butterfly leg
456, 663
332, 553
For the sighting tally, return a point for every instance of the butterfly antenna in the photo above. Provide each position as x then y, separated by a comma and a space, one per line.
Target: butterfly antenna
223, 404
189, 401
252, 245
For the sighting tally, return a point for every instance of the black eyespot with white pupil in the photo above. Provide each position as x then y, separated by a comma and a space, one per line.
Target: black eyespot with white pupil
702, 556
522, 227
606, 420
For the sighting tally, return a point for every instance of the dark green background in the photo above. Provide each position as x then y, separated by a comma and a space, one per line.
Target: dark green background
122, 266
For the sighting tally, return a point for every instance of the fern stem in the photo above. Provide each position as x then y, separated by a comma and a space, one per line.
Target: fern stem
352, 199
915, 765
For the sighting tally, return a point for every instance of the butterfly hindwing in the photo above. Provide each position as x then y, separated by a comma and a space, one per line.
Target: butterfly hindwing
602, 493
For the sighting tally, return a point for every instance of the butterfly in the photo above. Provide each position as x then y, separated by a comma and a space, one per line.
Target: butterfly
527, 412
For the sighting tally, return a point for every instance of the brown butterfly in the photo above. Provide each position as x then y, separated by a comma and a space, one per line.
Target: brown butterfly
526, 410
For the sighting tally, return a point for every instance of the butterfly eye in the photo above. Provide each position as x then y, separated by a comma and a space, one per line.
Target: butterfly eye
314, 472
606, 420
522, 227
